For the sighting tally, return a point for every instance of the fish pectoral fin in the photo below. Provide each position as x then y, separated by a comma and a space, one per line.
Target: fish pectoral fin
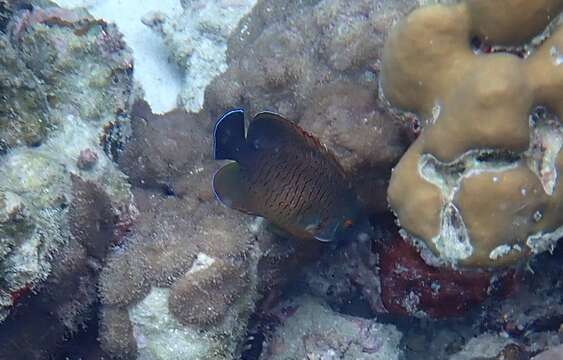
231, 190
278, 231
327, 233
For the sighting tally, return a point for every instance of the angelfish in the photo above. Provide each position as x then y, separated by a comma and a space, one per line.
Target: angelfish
284, 174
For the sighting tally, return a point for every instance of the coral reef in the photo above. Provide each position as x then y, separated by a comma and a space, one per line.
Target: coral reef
197, 40
308, 329
179, 230
186, 277
159, 79
66, 81
480, 185
178, 276
330, 88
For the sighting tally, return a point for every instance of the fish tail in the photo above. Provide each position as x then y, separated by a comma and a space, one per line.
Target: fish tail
228, 136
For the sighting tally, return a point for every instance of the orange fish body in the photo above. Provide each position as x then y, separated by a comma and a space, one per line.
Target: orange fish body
285, 175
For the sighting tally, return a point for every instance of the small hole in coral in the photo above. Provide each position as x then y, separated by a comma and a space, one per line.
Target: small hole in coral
24, 6
476, 44
416, 127
167, 190
537, 114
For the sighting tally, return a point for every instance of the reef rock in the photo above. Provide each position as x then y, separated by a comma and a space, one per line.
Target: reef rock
486, 345
308, 329
480, 186
555, 353
65, 80
410, 286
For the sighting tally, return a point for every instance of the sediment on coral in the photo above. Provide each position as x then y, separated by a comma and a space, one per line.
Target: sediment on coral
207, 307
24, 107
480, 185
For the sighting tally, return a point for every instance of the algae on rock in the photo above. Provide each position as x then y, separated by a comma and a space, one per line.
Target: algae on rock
66, 81
23, 105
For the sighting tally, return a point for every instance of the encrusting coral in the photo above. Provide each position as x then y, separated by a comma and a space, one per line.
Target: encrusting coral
480, 186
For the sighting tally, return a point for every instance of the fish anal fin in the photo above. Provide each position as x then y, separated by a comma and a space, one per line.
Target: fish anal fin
231, 189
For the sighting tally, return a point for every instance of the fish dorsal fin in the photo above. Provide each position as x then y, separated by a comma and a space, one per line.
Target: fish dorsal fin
228, 135
269, 129
231, 189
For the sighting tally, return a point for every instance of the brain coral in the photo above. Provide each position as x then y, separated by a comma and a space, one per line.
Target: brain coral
480, 185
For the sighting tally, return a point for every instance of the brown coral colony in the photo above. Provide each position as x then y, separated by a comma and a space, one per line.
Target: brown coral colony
480, 185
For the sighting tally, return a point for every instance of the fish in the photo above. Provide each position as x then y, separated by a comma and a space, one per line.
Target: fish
282, 173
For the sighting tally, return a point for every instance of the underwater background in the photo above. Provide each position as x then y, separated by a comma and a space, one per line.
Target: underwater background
262, 179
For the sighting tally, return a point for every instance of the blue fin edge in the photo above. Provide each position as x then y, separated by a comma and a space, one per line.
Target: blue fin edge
218, 123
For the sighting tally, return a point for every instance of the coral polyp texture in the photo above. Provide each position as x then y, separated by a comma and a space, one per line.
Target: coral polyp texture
481, 185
